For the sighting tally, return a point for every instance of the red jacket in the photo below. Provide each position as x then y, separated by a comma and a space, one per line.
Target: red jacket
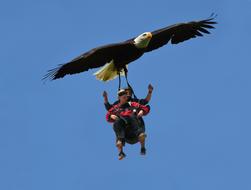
126, 110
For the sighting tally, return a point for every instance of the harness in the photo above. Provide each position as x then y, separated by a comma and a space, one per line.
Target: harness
119, 110
134, 95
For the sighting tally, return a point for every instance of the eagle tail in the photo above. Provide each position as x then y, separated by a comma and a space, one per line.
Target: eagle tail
107, 72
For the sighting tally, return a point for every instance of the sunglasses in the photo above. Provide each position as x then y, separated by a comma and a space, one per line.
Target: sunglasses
124, 96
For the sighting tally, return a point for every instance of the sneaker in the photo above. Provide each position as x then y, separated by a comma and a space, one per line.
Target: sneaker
122, 155
143, 151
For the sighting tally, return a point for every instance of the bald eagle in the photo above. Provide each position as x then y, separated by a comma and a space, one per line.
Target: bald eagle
115, 57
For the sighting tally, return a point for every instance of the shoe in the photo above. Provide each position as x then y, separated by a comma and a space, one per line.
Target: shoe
122, 155
143, 151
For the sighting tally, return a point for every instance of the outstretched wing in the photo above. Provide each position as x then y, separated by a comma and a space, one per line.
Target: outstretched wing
94, 58
180, 32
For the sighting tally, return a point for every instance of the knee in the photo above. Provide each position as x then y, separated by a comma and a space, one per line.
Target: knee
142, 137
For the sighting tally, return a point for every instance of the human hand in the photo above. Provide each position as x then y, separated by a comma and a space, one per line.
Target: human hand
150, 88
105, 94
140, 114
114, 117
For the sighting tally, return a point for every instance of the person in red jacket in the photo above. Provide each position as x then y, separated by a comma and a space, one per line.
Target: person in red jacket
126, 123
144, 101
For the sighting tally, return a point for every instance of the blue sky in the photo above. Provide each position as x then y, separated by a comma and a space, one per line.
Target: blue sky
54, 136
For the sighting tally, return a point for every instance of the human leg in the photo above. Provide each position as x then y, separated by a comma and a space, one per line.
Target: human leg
119, 129
138, 127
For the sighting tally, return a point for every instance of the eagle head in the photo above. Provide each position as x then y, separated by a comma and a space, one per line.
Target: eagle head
143, 40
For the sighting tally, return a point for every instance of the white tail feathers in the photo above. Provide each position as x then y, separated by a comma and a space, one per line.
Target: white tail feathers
107, 72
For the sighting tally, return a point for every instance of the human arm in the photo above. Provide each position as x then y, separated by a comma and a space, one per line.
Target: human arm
106, 102
111, 115
142, 109
140, 114
149, 94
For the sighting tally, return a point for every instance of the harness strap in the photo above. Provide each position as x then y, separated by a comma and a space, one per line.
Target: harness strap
119, 110
134, 95
119, 82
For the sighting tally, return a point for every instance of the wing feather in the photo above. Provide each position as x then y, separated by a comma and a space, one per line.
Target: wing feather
181, 32
94, 58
